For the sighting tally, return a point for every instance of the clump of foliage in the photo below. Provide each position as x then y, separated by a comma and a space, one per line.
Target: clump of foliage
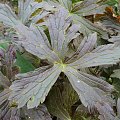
57, 62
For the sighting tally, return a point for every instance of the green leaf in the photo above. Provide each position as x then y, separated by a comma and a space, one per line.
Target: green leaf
4, 44
112, 2
118, 107
55, 104
33, 87
24, 64
86, 26
116, 73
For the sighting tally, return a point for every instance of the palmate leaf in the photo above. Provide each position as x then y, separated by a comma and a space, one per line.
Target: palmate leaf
33, 87
35, 41
37, 18
115, 40
63, 101
9, 111
89, 88
102, 55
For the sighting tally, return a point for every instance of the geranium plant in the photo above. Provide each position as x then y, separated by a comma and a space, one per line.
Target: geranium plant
48, 30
